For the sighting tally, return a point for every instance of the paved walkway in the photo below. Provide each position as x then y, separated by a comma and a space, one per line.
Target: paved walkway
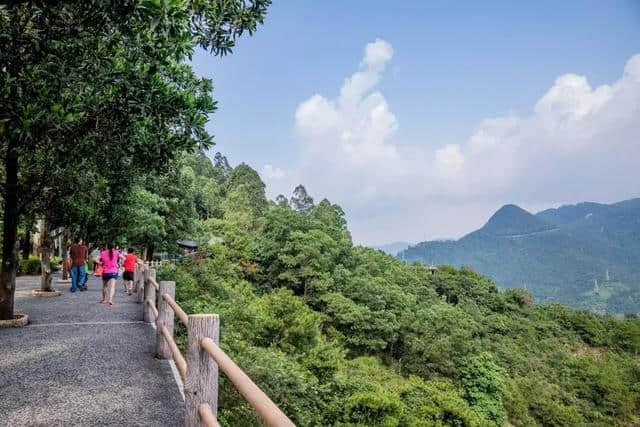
81, 363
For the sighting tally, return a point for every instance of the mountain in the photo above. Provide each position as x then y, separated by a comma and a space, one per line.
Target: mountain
512, 220
586, 255
393, 248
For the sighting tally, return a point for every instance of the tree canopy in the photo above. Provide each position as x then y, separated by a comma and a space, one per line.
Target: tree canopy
101, 87
339, 334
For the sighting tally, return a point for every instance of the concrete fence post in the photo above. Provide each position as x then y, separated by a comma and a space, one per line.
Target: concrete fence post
141, 275
149, 294
165, 318
201, 384
136, 273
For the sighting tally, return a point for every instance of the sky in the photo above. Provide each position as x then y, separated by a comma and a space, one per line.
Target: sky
422, 118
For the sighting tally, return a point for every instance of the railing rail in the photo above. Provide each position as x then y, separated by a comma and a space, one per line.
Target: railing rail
152, 307
152, 280
199, 369
206, 415
154, 264
264, 406
181, 364
176, 309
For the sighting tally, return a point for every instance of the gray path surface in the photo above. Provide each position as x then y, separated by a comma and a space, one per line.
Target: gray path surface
81, 363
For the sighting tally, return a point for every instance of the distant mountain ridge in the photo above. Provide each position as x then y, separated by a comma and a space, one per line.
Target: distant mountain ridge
512, 220
586, 255
393, 248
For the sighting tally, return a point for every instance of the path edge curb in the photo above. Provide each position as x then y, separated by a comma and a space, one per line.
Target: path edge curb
18, 321
45, 294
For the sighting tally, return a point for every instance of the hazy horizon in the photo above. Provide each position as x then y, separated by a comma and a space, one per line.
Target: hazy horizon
484, 221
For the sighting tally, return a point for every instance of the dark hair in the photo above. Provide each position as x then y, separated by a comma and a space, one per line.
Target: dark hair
130, 250
77, 240
111, 246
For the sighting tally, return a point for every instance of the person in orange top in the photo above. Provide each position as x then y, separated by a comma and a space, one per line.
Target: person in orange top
129, 265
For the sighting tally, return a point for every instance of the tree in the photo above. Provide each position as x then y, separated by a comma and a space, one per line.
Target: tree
483, 382
103, 79
210, 198
160, 209
238, 209
55, 97
249, 178
221, 168
301, 201
67, 207
201, 165
308, 259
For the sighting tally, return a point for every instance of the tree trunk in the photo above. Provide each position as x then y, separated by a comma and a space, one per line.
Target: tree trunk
26, 244
150, 253
10, 235
46, 247
64, 246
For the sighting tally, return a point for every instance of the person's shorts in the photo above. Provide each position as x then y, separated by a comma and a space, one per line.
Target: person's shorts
108, 276
127, 275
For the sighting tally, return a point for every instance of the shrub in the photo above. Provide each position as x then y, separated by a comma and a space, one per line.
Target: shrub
32, 266
374, 407
483, 382
29, 267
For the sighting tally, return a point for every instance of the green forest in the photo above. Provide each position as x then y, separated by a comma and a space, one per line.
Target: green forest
339, 334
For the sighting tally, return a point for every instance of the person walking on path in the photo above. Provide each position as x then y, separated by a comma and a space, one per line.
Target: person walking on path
109, 260
95, 257
79, 254
129, 265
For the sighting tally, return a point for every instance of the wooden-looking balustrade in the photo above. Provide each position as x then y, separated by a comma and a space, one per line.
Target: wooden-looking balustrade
199, 370
155, 264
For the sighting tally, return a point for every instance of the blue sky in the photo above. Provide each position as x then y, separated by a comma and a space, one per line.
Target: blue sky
450, 67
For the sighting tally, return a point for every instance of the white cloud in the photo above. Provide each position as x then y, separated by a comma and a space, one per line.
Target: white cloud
579, 143
348, 138
377, 54
271, 172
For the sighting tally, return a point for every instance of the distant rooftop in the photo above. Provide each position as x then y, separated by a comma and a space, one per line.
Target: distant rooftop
189, 244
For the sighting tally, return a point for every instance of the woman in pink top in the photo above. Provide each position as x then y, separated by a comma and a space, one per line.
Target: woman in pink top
109, 259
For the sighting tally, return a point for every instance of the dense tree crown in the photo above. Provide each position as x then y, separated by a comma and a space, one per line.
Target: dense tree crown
99, 89
344, 335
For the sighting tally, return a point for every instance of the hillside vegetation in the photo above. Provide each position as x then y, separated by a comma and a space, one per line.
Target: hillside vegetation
558, 254
339, 334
